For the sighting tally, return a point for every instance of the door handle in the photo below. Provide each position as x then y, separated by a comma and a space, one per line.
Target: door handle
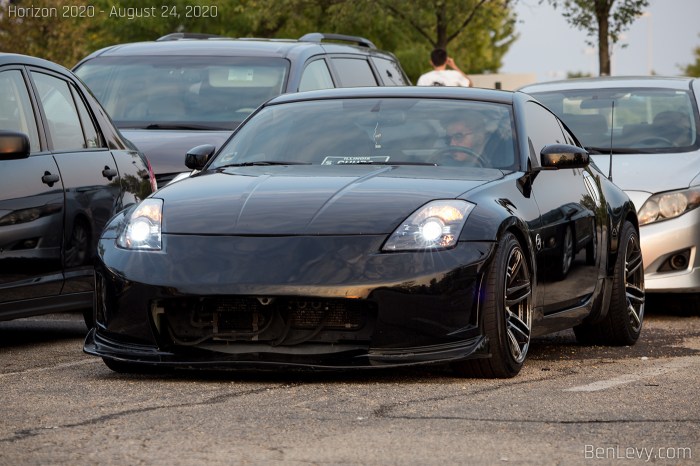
49, 179
109, 173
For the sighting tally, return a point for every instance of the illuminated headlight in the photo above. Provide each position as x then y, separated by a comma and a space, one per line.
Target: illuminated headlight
436, 225
143, 227
668, 205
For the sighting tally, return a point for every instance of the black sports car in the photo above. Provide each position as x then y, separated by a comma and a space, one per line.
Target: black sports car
366, 227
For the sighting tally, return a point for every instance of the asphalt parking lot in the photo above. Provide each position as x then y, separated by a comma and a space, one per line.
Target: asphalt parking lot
571, 404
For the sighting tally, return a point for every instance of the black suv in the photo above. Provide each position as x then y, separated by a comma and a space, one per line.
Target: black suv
184, 90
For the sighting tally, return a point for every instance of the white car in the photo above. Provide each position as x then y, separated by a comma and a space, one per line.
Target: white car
648, 128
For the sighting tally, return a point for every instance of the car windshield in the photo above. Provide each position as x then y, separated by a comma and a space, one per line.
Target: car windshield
381, 131
645, 120
183, 92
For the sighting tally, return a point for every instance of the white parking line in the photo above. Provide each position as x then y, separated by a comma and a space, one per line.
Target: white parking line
50, 368
674, 365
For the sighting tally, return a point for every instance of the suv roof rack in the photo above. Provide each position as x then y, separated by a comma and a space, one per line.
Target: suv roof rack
187, 35
320, 36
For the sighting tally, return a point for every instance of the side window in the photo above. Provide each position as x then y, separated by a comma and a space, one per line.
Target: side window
92, 136
354, 72
543, 129
316, 76
16, 112
389, 72
61, 115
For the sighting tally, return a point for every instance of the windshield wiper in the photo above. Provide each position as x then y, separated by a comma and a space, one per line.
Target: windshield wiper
182, 126
262, 163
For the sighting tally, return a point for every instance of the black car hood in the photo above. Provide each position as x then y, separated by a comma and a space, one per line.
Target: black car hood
166, 149
309, 200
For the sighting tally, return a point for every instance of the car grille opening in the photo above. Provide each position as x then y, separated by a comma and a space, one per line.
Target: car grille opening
275, 320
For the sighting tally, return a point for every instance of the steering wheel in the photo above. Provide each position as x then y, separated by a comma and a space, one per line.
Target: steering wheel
445, 157
657, 141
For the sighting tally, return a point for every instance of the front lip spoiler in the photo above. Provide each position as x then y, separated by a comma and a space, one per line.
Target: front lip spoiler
343, 358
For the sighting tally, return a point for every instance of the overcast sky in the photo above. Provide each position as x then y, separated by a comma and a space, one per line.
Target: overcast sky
663, 41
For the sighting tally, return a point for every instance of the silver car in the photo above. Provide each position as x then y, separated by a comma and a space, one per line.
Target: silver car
644, 132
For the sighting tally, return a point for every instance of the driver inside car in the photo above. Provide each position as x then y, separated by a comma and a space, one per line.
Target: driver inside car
467, 134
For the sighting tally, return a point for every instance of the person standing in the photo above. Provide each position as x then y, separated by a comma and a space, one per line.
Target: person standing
441, 75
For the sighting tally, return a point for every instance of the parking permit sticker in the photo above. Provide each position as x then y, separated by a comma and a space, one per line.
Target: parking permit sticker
355, 160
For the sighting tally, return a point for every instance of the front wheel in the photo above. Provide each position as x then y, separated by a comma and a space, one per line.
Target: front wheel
507, 314
623, 322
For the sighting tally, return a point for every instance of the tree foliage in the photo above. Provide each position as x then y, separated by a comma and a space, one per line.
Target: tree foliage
61, 40
603, 20
693, 69
477, 33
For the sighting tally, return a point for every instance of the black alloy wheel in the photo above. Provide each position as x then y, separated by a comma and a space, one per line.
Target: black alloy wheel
507, 314
623, 323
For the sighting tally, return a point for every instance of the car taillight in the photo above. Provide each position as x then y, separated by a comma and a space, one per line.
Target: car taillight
152, 177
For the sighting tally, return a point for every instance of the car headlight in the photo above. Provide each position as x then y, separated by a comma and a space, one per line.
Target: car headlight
436, 225
664, 206
143, 227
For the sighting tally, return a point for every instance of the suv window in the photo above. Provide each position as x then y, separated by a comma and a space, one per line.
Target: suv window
354, 72
216, 92
316, 76
389, 72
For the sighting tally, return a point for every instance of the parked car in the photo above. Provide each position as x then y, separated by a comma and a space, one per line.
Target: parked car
64, 171
183, 90
651, 139
330, 232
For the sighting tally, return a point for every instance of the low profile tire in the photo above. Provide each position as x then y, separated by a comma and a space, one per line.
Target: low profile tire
507, 314
623, 322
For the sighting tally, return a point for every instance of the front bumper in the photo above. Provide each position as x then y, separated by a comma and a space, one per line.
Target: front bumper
312, 302
663, 241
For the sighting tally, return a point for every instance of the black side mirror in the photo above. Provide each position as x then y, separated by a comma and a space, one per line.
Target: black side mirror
558, 156
13, 145
198, 156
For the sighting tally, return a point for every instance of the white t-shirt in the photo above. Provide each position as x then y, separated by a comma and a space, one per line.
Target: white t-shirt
443, 78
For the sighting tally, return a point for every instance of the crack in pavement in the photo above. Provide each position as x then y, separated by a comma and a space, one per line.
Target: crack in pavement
33, 432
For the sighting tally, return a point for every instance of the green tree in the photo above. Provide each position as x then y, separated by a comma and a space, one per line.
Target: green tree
603, 21
477, 33
43, 35
694, 68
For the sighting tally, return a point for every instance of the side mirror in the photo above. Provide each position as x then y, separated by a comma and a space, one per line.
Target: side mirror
198, 156
13, 145
558, 156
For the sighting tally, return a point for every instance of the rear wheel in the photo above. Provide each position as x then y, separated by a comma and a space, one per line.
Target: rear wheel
78, 247
507, 314
567, 254
623, 322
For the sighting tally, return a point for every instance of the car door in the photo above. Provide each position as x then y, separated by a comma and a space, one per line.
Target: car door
31, 201
565, 240
89, 172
